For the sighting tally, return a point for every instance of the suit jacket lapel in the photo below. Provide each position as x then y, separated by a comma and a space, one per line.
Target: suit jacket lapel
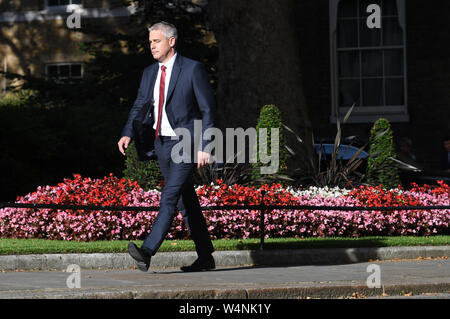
174, 77
152, 86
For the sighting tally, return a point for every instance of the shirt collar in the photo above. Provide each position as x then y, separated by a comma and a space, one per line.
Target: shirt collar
169, 64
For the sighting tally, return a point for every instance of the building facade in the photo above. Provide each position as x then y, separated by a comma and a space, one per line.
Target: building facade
41, 38
400, 71
391, 58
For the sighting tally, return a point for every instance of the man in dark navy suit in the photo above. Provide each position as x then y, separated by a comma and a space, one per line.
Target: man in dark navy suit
176, 91
446, 153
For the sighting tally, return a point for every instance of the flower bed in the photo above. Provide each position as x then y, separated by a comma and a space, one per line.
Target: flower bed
111, 225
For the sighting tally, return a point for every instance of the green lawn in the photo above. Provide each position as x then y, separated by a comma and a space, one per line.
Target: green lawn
41, 246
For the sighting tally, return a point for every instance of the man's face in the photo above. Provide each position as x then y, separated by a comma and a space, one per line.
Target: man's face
161, 47
447, 145
405, 148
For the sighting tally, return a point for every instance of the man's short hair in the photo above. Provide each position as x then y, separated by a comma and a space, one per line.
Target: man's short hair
405, 141
447, 137
168, 29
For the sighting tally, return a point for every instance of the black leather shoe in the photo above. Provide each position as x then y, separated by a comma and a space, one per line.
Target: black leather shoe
141, 256
201, 264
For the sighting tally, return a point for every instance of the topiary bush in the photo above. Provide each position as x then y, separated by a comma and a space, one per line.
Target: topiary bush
270, 117
147, 174
381, 169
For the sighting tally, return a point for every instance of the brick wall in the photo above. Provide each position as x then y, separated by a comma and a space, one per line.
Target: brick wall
28, 46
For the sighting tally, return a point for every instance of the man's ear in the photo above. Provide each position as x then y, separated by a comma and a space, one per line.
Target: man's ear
172, 42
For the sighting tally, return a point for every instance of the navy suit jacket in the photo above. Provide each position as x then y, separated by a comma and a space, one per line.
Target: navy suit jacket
189, 97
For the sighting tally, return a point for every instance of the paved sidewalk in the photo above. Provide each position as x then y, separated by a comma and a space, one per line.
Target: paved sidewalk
243, 282
296, 257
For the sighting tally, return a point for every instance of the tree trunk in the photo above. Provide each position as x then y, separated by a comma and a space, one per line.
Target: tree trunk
259, 63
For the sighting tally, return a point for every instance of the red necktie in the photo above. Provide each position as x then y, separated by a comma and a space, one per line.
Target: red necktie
161, 100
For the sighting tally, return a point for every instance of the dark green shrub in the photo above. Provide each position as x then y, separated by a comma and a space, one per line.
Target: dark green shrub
270, 117
20, 98
381, 169
147, 174
44, 141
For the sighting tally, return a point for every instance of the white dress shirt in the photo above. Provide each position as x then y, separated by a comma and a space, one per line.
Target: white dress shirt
166, 129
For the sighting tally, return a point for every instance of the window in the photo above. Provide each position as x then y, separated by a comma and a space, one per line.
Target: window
62, 2
368, 64
64, 71
62, 5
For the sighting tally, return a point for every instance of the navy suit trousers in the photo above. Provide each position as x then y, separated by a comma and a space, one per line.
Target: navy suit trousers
178, 192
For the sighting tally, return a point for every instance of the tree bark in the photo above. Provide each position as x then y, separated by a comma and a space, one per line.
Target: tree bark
259, 63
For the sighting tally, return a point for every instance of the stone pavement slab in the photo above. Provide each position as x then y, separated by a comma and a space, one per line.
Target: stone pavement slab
314, 281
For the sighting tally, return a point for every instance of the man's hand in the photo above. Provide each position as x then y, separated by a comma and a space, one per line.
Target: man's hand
123, 144
203, 158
